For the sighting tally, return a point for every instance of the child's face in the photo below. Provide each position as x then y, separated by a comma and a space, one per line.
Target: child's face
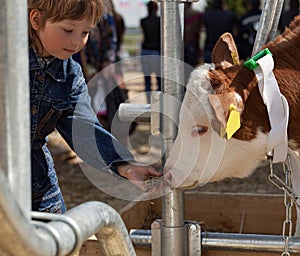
63, 38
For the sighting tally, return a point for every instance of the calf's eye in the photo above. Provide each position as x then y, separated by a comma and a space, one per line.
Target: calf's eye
199, 130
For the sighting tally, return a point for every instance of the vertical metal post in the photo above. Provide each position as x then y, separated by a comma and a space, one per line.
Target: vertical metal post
268, 23
173, 238
14, 101
278, 10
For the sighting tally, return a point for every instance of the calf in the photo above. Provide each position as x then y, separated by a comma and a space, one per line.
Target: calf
199, 154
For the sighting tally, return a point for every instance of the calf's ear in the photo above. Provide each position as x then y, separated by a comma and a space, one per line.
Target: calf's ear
225, 52
221, 104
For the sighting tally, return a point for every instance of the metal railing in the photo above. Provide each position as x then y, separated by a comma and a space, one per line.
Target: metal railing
24, 232
268, 23
227, 242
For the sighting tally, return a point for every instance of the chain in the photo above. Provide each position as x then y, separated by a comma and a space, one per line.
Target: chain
289, 199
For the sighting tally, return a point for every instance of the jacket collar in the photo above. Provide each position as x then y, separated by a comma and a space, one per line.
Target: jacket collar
56, 68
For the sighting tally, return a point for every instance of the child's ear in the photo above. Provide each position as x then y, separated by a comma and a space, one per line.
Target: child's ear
34, 18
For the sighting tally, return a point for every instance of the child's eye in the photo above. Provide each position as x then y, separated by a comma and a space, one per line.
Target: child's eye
68, 30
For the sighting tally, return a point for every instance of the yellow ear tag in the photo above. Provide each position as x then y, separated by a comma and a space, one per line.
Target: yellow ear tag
234, 121
234, 58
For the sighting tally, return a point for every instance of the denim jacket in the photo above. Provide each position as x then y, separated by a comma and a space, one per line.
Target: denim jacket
59, 100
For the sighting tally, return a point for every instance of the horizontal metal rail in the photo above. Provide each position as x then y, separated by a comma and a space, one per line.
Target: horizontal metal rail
248, 242
229, 241
129, 112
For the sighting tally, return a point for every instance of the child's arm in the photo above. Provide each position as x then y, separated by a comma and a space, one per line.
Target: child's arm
79, 126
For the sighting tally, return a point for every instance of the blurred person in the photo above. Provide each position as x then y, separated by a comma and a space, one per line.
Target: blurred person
288, 15
247, 28
120, 28
107, 88
150, 50
216, 22
193, 22
120, 31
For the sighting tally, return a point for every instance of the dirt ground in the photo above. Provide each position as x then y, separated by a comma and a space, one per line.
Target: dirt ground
77, 188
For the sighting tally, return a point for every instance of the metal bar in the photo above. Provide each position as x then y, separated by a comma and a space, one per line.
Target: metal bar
14, 101
265, 25
248, 242
141, 237
230, 241
268, 23
173, 240
129, 112
106, 223
278, 10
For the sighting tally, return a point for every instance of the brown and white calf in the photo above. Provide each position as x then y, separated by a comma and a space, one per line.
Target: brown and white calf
199, 154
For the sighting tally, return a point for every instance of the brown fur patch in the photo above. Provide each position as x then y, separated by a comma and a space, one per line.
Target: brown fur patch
286, 53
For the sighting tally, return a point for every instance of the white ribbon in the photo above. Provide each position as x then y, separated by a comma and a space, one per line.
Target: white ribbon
277, 106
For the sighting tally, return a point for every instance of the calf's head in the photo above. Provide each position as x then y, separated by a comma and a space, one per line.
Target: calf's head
217, 96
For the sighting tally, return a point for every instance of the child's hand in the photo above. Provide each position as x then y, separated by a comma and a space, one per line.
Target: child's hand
138, 174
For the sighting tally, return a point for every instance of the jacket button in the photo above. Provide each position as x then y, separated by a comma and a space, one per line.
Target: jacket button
40, 78
34, 110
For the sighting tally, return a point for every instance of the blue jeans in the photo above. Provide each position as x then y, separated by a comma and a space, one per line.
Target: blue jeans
151, 64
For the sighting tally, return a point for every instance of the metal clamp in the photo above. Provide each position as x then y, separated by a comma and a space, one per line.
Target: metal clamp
193, 230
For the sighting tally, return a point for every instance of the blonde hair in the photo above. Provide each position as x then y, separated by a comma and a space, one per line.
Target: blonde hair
58, 10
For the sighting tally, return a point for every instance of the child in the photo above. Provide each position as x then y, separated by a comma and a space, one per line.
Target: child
59, 99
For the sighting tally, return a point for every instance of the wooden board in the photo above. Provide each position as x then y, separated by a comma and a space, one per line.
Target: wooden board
91, 248
227, 213
233, 213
